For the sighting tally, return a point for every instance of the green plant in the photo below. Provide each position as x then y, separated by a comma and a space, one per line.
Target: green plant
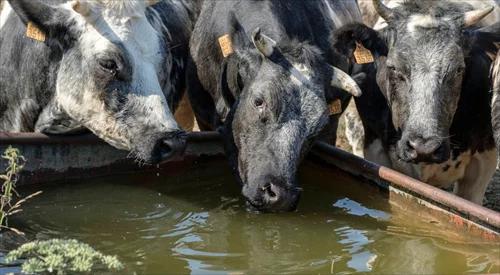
58, 256
15, 163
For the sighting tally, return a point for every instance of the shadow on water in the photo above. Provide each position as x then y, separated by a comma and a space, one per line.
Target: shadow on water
197, 223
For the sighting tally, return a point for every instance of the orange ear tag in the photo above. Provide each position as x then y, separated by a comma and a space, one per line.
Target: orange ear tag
362, 55
335, 107
35, 33
226, 45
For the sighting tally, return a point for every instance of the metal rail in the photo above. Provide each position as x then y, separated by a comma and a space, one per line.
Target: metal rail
445, 200
86, 139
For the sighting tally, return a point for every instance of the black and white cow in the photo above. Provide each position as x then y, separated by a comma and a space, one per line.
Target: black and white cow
273, 89
431, 117
113, 67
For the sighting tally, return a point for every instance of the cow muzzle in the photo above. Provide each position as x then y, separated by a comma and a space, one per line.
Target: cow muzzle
169, 146
271, 194
419, 149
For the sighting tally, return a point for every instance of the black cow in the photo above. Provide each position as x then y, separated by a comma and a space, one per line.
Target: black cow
273, 92
114, 67
431, 117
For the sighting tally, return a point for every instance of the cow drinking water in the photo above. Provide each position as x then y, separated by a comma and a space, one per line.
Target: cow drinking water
264, 68
113, 67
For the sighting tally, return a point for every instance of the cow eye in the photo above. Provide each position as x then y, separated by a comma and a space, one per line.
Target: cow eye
258, 102
109, 65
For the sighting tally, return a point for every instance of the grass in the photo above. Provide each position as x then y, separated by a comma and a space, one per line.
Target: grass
15, 163
54, 256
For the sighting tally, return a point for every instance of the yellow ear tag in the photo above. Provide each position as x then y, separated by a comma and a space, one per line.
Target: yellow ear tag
335, 107
362, 55
35, 33
226, 45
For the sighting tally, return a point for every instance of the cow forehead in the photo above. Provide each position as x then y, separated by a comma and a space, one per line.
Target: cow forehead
133, 32
421, 21
118, 8
418, 23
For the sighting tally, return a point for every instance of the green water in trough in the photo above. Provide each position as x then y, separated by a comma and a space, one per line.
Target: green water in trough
195, 222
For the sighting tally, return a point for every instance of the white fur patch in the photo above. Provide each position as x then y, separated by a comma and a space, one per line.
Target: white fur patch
445, 174
122, 8
421, 21
495, 75
477, 176
300, 74
4, 13
471, 172
354, 131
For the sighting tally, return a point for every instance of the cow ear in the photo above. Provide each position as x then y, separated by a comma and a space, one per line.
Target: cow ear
49, 22
345, 39
263, 43
224, 89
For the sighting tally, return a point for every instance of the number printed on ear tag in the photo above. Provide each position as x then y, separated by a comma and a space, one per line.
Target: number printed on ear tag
226, 45
34, 32
362, 55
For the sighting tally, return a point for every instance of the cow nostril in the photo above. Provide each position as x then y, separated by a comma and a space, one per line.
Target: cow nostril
411, 152
165, 149
171, 146
269, 192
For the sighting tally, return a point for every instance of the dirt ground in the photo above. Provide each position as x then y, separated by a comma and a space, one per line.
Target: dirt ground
491, 200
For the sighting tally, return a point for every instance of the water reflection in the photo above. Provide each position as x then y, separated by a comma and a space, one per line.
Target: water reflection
199, 225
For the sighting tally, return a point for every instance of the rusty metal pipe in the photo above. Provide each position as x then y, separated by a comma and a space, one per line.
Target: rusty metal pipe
448, 201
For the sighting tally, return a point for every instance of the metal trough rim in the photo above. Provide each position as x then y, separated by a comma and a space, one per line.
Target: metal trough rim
344, 160
86, 139
446, 200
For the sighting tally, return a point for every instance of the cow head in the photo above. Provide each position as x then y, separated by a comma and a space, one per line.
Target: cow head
279, 95
112, 69
421, 62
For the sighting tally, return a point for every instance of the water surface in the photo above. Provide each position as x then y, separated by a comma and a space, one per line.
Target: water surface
196, 223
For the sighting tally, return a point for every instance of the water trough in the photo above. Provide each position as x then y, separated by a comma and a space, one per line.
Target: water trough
58, 159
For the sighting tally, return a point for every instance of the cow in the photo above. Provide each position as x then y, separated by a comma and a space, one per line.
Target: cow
426, 99
116, 68
354, 131
269, 87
